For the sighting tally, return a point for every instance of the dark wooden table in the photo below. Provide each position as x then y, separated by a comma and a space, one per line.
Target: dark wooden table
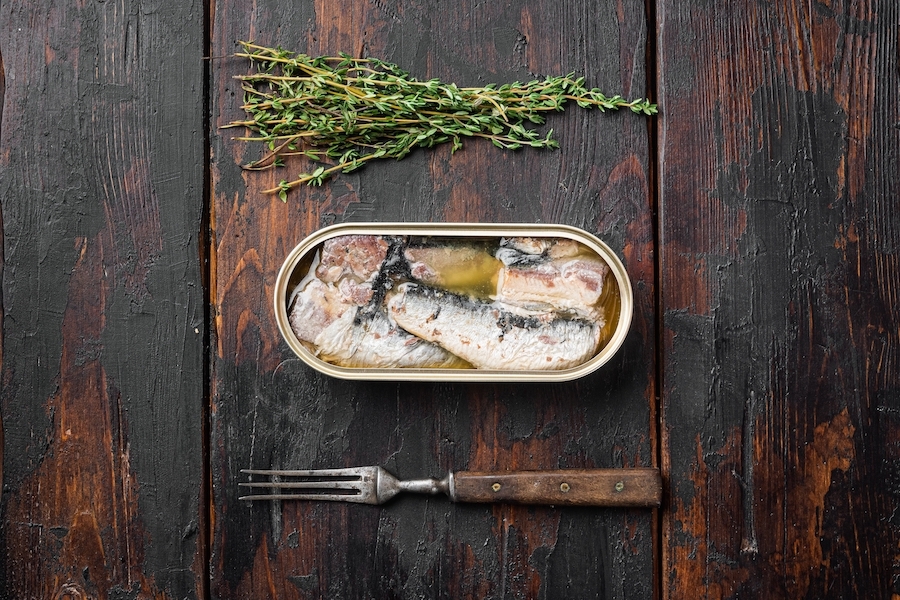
757, 217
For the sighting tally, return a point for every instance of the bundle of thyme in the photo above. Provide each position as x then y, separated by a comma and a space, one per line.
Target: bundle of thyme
342, 112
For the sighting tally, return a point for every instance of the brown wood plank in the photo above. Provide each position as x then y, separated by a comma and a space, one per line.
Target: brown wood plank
780, 277
101, 150
269, 410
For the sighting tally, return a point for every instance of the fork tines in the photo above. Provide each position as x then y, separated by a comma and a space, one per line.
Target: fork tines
346, 485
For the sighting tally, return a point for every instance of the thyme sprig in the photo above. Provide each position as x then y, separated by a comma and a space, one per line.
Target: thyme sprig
342, 112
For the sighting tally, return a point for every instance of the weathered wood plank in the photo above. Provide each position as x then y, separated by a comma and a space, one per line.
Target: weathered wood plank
2, 445
780, 279
101, 150
271, 410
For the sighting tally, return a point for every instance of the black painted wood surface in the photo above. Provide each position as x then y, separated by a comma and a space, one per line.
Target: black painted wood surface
779, 274
757, 216
270, 410
101, 180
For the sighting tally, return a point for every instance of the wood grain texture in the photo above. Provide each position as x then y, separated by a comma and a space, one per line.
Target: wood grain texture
101, 151
269, 410
780, 280
562, 487
2, 444
779, 302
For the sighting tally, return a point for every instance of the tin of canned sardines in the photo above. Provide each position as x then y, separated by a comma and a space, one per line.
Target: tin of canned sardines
453, 302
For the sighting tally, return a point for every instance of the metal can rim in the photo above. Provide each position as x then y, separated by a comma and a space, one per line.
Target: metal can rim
474, 230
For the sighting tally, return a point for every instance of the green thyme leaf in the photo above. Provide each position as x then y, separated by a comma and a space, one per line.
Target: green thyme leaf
341, 112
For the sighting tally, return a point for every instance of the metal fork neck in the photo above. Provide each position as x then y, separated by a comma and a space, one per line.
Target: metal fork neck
389, 487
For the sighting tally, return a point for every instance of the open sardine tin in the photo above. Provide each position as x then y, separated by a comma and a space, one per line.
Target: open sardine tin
453, 302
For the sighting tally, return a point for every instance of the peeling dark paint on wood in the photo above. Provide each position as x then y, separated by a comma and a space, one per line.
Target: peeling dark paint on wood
770, 263
2, 262
71, 503
270, 410
102, 299
779, 218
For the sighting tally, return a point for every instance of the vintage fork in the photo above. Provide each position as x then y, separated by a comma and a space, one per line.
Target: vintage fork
375, 485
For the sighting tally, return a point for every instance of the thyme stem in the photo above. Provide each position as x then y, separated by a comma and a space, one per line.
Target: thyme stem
342, 112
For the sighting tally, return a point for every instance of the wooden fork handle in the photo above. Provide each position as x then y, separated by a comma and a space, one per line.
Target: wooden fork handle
571, 487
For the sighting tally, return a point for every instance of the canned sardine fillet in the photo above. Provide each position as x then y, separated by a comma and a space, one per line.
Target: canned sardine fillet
459, 302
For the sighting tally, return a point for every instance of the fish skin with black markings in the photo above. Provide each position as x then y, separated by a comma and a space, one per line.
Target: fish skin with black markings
489, 336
